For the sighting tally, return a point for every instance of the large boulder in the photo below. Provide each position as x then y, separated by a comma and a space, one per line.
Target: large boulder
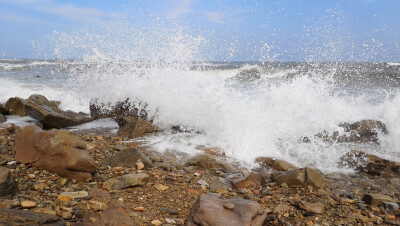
359, 132
371, 164
133, 127
45, 111
212, 210
302, 177
275, 164
57, 151
12, 217
8, 187
120, 109
127, 158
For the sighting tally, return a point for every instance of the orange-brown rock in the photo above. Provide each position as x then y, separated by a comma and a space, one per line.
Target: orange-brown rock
251, 181
57, 151
211, 210
275, 164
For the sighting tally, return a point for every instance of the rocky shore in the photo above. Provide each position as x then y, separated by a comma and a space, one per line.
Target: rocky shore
50, 176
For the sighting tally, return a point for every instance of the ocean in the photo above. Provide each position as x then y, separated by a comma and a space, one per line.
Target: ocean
249, 109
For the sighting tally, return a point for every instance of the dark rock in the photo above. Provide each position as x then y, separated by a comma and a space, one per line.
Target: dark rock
118, 110
57, 151
376, 199
204, 161
209, 210
2, 118
358, 132
251, 181
133, 127
11, 217
276, 164
126, 181
16, 106
127, 158
8, 187
247, 75
371, 164
302, 177
3, 110
312, 207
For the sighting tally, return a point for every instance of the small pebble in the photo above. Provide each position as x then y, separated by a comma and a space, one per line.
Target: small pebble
156, 222
229, 206
140, 165
28, 204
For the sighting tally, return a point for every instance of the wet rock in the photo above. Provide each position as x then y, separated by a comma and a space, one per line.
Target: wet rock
3, 110
302, 177
276, 164
127, 158
118, 110
376, 199
371, 164
16, 106
216, 151
209, 210
204, 161
358, 132
2, 118
8, 187
57, 151
45, 111
126, 181
75, 195
251, 181
133, 127
22, 218
312, 207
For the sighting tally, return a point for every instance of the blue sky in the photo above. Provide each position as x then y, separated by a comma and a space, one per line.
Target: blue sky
219, 30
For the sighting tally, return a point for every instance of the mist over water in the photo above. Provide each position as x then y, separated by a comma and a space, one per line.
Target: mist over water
248, 109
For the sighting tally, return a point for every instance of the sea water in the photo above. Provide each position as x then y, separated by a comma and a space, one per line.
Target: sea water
249, 109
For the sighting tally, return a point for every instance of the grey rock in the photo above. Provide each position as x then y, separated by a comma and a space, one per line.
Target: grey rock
8, 187
126, 181
127, 158
2, 118
11, 217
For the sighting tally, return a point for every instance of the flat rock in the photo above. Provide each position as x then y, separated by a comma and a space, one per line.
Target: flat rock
302, 177
127, 158
133, 127
11, 217
75, 195
126, 181
204, 161
8, 187
209, 210
57, 151
275, 164
251, 181
376, 199
28, 204
100, 195
312, 207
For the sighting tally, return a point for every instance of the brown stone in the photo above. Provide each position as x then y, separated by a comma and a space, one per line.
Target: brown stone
276, 164
210, 210
127, 158
116, 217
133, 127
376, 199
204, 161
312, 207
22, 218
57, 151
100, 195
251, 181
302, 177
2, 118
126, 181
16, 106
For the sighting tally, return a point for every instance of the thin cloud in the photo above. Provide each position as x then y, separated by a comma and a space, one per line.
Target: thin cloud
18, 18
215, 17
70, 12
181, 8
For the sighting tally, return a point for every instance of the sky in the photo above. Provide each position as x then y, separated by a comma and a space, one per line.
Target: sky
212, 30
